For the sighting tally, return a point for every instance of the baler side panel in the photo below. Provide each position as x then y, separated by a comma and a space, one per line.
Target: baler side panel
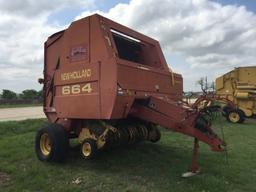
139, 79
247, 75
240, 87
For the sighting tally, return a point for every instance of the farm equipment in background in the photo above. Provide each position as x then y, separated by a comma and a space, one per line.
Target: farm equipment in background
108, 86
212, 103
238, 86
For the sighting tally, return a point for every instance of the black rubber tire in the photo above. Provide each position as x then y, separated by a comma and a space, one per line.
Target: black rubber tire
239, 113
242, 115
59, 143
225, 110
93, 146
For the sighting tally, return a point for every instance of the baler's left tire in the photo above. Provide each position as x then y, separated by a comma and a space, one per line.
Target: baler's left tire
52, 143
88, 148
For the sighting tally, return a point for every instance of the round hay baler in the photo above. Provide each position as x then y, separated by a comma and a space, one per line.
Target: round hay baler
108, 86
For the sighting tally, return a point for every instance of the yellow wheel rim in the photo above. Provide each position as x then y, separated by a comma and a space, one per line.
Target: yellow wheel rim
234, 117
86, 149
45, 144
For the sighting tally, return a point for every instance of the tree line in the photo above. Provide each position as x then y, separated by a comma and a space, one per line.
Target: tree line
27, 95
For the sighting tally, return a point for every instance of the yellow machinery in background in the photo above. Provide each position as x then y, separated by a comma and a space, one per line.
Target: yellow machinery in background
239, 86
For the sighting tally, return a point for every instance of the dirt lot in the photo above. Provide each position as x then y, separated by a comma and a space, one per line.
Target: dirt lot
21, 113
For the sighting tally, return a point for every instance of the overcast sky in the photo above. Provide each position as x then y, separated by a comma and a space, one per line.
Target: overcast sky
198, 37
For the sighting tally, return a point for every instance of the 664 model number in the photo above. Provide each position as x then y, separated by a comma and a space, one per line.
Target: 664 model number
76, 89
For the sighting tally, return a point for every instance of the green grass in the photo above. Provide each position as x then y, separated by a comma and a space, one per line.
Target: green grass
2, 106
141, 167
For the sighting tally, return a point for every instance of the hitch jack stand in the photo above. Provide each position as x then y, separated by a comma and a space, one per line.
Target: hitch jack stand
193, 170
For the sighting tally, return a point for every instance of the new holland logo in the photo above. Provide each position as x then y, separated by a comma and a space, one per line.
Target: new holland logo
84, 73
78, 53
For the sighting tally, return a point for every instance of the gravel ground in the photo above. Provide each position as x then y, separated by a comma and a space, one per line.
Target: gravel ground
22, 113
